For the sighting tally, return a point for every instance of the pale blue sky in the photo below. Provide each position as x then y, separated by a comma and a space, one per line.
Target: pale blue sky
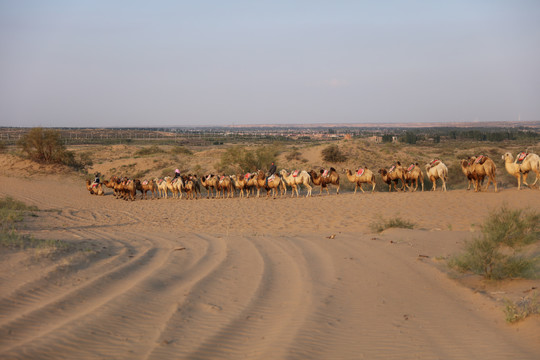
185, 63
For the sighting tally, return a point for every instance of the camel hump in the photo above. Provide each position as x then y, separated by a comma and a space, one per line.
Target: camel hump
522, 156
332, 169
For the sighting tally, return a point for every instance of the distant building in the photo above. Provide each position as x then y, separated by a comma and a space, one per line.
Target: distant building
375, 139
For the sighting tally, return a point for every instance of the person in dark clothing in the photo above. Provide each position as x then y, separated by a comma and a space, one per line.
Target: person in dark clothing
97, 178
176, 173
271, 172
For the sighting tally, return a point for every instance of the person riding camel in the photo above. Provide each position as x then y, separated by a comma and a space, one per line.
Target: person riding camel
176, 174
97, 178
271, 172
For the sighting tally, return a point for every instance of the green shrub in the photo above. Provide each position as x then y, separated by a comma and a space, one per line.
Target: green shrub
333, 154
397, 222
239, 158
150, 150
181, 150
497, 253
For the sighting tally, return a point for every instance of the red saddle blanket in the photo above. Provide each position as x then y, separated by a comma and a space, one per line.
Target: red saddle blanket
360, 172
145, 182
392, 168
522, 156
410, 167
325, 173
295, 173
94, 185
479, 159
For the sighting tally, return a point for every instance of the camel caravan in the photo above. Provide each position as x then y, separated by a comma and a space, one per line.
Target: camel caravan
398, 178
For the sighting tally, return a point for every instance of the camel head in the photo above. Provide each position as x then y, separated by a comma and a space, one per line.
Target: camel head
382, 171
508, 157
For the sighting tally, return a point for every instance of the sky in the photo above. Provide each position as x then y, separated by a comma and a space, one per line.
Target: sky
213, 63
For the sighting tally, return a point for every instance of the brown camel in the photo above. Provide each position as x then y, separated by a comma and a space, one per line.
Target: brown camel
145, 186
361, 176
111, 183
189, 188
326, 177
414, 174
436, 169
296, 178
273, 184
393, 175
210, 182
196, 187
93, 188
467, 170
225, 183
126, 188
530, 162
482, 167
252, 183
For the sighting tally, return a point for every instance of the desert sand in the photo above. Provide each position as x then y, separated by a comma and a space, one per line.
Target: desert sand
255, 278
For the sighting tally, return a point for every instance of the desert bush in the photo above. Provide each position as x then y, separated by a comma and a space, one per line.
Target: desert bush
397, 222
239, 158
43, 146
3, 147
497, 253
181, 150
294, 154
519, 310
150, 150
333, 154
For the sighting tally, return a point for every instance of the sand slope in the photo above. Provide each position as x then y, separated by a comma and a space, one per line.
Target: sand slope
253, 278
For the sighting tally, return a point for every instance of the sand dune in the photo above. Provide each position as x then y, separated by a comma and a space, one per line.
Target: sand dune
254, 278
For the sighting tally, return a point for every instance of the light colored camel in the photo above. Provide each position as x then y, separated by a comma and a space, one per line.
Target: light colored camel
161, 185
175, 186
326, 177
111, 184
145, 186
436, 169
240, 183
366, 177
252, 184
481, 167
296, 178
530, 163
93, 188
210, 182
414, 174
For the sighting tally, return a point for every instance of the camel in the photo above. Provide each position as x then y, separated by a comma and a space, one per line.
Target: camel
111, 183
240, 183
274, 183
225, 183
126, 188
93, 188
161, 185
327, 177
467, 170
414, 174
531, 162
196, 188
175, 186
210, 182
481, 167
189, 188
296, 178
437, 170
361, 176
393, 175
252, 183
145, 186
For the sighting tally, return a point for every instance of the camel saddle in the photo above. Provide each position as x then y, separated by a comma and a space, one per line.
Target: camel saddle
145, 182
295, 173
392, 168
521, 157
409, 169
434, 162
360, 172
271, 177
95, 184
480, 160
221, 178
247, 176
324, 173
